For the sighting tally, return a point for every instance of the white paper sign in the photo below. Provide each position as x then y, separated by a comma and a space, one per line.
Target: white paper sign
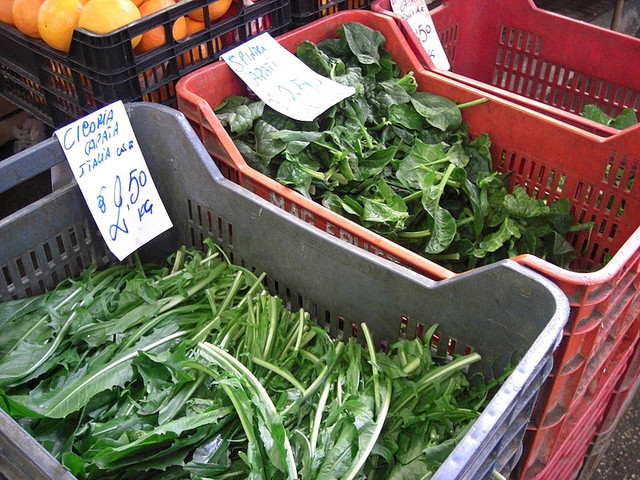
105, 158
419, 19
282, 80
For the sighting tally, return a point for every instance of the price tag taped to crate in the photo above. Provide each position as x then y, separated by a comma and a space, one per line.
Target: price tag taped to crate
282, 80
105, 158
417, 15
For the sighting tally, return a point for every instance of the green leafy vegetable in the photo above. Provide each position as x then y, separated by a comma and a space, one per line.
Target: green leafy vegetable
398, 161
195, 371
626, 118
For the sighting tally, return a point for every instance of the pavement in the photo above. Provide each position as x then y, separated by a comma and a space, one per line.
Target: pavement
598, 12
621, 460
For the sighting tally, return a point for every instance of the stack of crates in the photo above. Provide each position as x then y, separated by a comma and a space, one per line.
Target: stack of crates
552, 153
616, 408
99, 69
555, 65
340, 285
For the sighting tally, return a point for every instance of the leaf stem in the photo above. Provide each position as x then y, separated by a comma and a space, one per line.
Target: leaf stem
374, 364
366, 451
321, 379
273, 325
472, 103
242, 414
315, 430
413, 196
279, 371
268, 409
299, 330
415, 234
438, 374
204, 331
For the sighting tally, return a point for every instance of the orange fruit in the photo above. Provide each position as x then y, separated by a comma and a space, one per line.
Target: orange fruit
137, 3
216, 10
156, 36
57, 19
193, 26
196, 53
5, 11
149, 6
104, 16
25, 16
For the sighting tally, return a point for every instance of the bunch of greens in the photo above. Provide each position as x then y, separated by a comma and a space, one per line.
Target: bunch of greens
196, 372
626, 118
398, 161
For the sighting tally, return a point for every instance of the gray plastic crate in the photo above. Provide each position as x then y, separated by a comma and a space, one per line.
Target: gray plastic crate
498, 311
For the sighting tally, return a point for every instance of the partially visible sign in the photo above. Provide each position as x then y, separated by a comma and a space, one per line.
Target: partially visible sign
419, 19
282, 80
106, 161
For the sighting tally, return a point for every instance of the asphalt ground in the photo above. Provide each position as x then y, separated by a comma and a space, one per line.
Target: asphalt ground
621, 459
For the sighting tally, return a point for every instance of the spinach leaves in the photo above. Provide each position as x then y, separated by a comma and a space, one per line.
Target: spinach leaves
398, 161
626, 118
197, 372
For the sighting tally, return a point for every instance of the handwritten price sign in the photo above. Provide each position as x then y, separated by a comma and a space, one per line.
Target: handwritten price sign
282, 80
107, 163
417, 14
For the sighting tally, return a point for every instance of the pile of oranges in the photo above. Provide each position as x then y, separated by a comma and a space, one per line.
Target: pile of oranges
54, 21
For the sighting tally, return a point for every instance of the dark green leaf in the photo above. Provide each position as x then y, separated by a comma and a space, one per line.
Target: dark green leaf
443, 232
364, 42
625, 119
378, 212
406, 116
240, 119
439, 112
340, 456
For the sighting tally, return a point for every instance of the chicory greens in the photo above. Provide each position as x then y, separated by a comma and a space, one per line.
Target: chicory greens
196, 372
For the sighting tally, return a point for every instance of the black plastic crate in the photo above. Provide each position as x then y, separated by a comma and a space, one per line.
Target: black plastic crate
306, 11
99, 69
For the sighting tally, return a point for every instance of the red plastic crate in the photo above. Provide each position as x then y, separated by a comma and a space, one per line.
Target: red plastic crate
195, 99
616, 408
545, 61
550, 158
566, 459
546, 444
623, 394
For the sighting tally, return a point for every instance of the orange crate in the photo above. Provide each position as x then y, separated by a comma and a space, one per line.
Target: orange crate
547, 156
58, 87
548, 62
